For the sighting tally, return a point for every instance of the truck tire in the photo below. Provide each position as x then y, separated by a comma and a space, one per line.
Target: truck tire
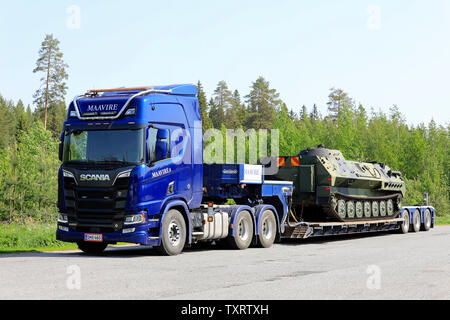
416, 221
267, 229
404, 228
243, 231
92, 247
426, 226
173, 234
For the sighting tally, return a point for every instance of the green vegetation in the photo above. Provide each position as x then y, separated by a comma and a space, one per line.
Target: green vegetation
30, 237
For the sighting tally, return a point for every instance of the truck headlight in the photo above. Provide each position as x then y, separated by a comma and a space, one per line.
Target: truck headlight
135, 219
62, 218
68, 174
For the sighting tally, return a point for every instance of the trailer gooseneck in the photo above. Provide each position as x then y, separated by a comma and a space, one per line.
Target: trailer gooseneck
132, 171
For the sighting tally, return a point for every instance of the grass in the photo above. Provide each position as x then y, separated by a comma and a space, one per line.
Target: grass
32, 237
443, 220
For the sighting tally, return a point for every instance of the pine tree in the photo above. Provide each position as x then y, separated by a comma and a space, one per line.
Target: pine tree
262, 102
50, 63
203, 104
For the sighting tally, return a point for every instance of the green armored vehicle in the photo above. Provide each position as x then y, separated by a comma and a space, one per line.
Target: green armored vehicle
329, 188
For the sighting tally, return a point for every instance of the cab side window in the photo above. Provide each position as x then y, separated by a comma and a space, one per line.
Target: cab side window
158, 144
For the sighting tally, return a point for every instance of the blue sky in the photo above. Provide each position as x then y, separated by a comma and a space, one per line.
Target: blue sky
380, 52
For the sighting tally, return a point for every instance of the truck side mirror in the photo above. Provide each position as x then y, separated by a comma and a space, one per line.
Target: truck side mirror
60, 153
162, 144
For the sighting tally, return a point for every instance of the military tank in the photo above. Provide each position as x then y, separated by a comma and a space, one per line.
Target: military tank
329, 188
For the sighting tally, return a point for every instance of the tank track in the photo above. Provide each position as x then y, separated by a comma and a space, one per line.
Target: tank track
345, 208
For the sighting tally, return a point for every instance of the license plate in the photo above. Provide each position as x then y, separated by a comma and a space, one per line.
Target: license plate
92, 237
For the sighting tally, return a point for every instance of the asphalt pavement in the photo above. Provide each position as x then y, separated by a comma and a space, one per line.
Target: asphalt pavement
373, 266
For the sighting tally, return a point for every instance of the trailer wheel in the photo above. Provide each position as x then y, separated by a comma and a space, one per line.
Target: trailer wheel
426, 226
92, 247
404, 228
173, 234
416, 221
267, 229
243, 232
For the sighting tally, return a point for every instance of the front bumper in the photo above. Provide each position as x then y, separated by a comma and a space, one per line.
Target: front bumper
141, 235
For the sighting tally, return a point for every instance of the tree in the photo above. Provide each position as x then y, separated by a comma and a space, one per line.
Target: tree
50, 63
222, 102
337, 100
203, 104
262, 104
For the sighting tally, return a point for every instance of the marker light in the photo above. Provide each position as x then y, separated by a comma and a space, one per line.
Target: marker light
130, 112
124, 174
73, 114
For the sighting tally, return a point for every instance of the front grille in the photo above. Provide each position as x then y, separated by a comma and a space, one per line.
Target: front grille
96, 209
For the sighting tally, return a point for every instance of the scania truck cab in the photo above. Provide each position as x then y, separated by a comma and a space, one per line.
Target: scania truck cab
132, 171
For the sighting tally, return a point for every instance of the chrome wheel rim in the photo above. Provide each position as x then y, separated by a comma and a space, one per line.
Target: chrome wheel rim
267, 228
428, 219
174, 233
417, 221
243, 229
406, 221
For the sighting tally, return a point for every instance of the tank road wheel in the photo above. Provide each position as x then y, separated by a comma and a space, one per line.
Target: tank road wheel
383, 208
390, 208
375, 209
267, 229
173, 234
404, 228
243, 229
350, 209
359, 210
92, 247
367, 209
341, 210
416, 221
426, 226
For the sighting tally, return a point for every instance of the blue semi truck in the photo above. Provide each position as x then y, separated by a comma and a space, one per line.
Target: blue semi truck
132, 171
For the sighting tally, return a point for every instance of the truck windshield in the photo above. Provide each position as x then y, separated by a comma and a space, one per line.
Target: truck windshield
104, 146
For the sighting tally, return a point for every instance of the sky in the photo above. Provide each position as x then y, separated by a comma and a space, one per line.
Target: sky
382, 53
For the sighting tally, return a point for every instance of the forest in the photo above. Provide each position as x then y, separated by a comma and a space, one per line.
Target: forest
29, 160
29, 138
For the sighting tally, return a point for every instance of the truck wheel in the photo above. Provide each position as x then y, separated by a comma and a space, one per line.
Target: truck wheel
416, 221
173, 234
267, 229
427, 221
243, 232
404, 228
92, 247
